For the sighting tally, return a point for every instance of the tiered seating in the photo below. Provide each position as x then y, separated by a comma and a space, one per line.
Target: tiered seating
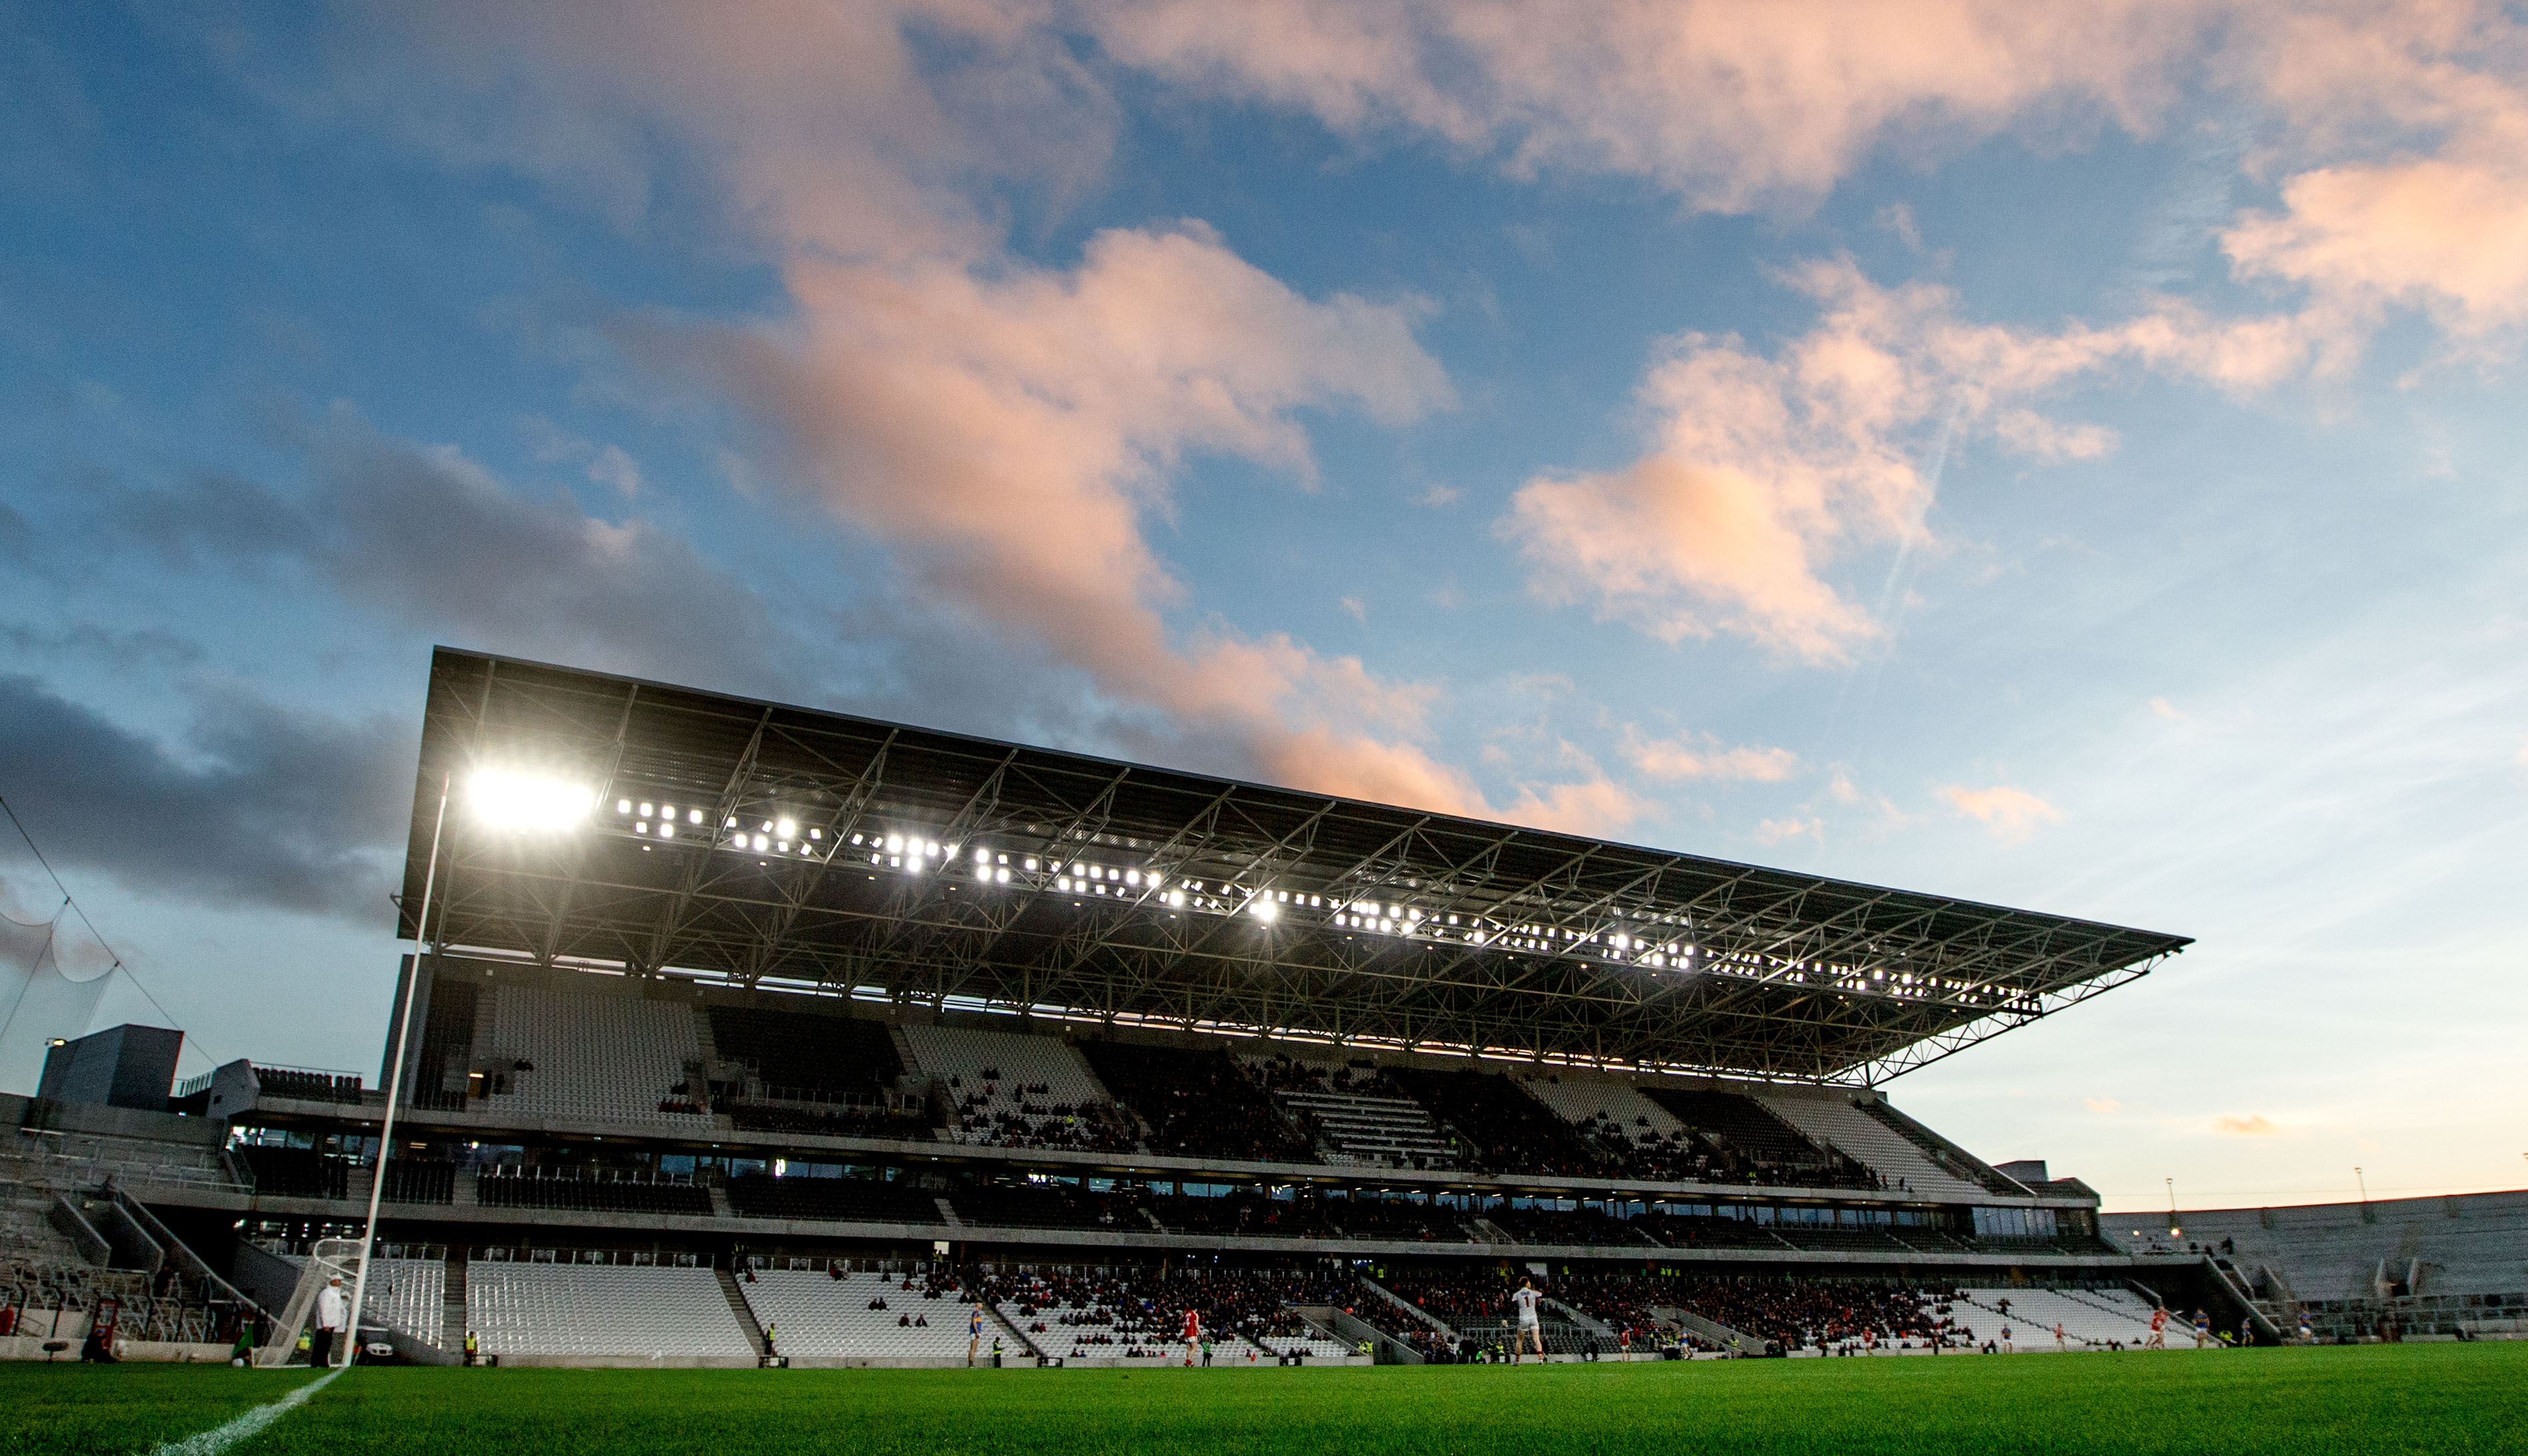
1309, 1344
1829, 1116
813, 1313
1130, 1314
405, 1293
1507, 1130
1046, 1206
854, 1200
583, 1309
1475, 1304
1009, 1090
578, 1055
2113, 1318
2469, 1246
1640, 1137
1756, 1146
1623, 1301
1799, 1313
530, 1188
1360, 1116
1198, 1104
82, 1160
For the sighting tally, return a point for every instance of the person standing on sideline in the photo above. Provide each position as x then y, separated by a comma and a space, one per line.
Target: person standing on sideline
1192, 1335
2202, 1330
2058, 1337
2307, 1336
333, 1312
1523, 1299
974, 1334
2005, 1340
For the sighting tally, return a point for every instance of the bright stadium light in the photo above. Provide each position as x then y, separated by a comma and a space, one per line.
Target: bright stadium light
527, 803
1264, 910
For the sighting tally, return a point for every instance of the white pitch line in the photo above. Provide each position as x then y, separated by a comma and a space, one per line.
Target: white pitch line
220, 1437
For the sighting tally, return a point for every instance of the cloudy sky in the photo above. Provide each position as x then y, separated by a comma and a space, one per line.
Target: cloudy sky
2067, 456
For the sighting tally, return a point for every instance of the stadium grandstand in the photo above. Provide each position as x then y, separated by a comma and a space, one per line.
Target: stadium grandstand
739, 1031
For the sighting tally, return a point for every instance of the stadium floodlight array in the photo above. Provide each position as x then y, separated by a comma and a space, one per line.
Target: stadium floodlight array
1653, 943
527, 802
721, 837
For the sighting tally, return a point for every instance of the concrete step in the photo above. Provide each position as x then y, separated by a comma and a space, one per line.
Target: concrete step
745, 1313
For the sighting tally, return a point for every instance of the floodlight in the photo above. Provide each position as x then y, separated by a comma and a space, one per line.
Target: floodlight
1264, 910
788, 829
507, 798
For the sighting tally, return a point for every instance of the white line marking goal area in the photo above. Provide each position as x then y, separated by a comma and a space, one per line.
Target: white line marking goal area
220, 1437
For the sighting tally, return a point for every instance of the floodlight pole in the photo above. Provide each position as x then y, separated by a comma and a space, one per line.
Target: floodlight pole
394, 1078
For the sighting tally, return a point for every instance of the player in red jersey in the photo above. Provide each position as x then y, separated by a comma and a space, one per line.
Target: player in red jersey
1192, 1335
2158, 1330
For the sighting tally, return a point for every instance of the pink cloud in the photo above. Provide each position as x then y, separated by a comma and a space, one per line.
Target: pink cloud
1009, 431
2423, 202
2255, 1124
1778, 831
2013, 814
1674, 759
1731, 104
1761, 470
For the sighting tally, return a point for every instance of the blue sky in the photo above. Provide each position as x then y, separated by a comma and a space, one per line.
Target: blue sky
2064, 459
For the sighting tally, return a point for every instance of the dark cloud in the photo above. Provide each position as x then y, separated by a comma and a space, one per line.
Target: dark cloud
438, 542
266, 806
17, 537
127, 652
435, 542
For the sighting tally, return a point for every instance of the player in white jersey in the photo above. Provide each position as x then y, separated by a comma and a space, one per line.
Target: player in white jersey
1524, 1300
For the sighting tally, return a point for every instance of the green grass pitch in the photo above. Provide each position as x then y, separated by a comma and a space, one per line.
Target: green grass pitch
2420, 1398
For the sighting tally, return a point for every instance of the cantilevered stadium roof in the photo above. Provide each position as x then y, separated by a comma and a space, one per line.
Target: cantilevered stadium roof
621, 825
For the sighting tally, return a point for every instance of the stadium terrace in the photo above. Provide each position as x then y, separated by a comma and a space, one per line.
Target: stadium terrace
744, 1032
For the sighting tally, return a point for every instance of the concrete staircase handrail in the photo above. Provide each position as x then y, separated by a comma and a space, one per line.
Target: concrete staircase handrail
1388, 1349
1585, 1321
1407, 1306
176, 1249
1735, 1342
65, 1216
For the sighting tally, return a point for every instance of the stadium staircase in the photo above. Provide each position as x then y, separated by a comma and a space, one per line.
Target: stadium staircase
1492, 1231
1386, 1349
1736, 1342
1587, 1321
1951, 1159
744, 1312
452, 1301
1412, 1308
